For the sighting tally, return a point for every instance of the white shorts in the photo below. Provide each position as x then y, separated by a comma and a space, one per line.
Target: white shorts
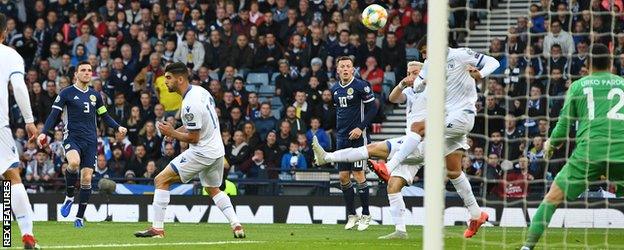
458, 126
8, 151
188, 165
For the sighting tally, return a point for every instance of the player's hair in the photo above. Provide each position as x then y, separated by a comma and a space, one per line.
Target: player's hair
3, 23
600, 58
177, 69
83, 63
414, 63
345, 58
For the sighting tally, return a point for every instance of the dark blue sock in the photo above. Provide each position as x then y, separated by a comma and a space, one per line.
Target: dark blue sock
362, 189
70, 183
85, 193
349, 196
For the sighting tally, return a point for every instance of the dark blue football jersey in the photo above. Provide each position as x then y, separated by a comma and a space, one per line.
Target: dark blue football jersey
80, 110
350, 101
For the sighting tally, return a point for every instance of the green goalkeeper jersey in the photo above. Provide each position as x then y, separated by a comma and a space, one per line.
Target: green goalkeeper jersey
596, 103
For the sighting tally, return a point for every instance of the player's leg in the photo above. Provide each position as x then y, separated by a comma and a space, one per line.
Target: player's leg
400, 177
346, 186
378, 150
71, 176
84, 194
210, 178
21, 207
160, 201
409, 145
569, 183
363, 193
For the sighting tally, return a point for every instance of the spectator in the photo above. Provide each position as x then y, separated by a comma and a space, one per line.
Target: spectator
254, 168
241, 55
272, 153
516, 182
251, 136
285, 84
239, 151
146, 109
513, 137
138, 162
536, 108
251, 110
285, 135
537, 20
495, 115
394, 52
151, 140
134, 124
316, 130
478, 163
303, 110
556, 60
239, 92
536, 159
293, 160
190, 53
101, 171
557, 36
121, 110
319, 73
373, 74
416, 28
328, 112
496, 145
235, 122
342, 48
40, 171
318, 47
170, 101
168, 155
40, 103
117, 164
297, 125
267, 55
580, 58
266, 122
305, 148
150, 173
287, 26
492, 173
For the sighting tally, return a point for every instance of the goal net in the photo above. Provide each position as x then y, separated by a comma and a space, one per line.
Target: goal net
543, 47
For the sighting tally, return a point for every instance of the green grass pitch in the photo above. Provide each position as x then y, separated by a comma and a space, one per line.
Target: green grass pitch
114, 235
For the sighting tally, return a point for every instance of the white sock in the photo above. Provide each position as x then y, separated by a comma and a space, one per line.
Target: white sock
224, 203
67, 198
409, 145
397, 208
21, 208
348, 155
161, 200
465, 192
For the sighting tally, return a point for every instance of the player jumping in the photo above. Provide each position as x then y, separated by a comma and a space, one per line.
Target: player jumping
595, 102
80, 106
205, 156
461, 97
405, 173
13, 71
352, 97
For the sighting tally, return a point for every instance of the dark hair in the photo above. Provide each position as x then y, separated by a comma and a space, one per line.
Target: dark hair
345, 58
3, 22
177, 68
421, 43
600, 58
555, 46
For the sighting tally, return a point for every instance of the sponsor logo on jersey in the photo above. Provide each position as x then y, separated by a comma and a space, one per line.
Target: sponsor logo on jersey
76, 97
367, 89
183, 160
92, 98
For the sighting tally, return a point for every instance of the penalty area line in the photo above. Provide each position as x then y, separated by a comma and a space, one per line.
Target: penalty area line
206, 243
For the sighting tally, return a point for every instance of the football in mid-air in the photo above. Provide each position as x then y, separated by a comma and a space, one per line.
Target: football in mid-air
374, 17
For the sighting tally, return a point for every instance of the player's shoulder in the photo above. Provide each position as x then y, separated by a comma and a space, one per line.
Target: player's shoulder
11, 56
464, 51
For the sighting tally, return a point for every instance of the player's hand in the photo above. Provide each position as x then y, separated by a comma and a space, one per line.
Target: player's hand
122, 130
165, 128
32, 131
408, 81
42, 140
548, 149
355, 134
474, 72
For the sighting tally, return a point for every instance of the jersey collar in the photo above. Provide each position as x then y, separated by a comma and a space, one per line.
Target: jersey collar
340, 82
187, 90
81, 90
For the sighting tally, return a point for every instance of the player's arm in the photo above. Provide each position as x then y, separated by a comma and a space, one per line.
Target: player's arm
110, 122
487, 64
420, 79
396, 95
53, 117
191, 136
368, 98
20, 91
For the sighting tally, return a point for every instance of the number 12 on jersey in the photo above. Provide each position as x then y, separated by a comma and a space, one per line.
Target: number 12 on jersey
613, 112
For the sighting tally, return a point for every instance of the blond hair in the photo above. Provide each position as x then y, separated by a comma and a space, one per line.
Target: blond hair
415, 63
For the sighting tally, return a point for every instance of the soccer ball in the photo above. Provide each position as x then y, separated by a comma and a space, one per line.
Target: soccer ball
374, 17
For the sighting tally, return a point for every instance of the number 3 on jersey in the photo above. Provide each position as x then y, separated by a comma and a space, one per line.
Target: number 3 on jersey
613, 112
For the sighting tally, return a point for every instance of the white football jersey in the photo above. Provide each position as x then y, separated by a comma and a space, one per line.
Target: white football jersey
416, 107
12, 63
461, 92
198, 113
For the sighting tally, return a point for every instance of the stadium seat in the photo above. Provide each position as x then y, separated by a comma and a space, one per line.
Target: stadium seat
411, 54
389, 78
251, 87
266, 90
258, 78
273, 78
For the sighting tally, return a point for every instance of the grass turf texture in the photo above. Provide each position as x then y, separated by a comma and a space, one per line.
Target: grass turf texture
111, 235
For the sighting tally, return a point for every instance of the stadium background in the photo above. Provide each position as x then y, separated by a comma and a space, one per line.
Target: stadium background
252, 54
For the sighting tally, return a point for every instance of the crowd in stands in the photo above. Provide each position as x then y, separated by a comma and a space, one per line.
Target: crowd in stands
267, 126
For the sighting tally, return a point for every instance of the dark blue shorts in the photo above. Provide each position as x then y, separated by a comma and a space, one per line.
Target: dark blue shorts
86, 149
344, 142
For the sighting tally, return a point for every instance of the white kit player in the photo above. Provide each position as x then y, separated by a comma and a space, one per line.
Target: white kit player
204, 158
461, 97
12, 71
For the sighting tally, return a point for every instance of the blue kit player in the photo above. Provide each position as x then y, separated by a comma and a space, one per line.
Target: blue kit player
80, 105
355, 108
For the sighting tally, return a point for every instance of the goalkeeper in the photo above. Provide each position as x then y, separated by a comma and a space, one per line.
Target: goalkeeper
595, 102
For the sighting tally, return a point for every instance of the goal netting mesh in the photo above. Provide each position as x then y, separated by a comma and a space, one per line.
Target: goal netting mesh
543, 48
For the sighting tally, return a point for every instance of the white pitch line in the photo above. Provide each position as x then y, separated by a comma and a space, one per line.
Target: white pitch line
151, 244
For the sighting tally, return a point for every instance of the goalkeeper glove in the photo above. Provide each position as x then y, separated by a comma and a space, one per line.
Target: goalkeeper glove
548, 149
